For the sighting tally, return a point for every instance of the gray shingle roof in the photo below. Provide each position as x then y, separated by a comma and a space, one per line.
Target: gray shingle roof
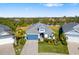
69, 29
69, 26
4, 29
34, 29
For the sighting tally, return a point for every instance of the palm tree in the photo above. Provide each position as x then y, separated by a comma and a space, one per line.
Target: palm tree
20, 35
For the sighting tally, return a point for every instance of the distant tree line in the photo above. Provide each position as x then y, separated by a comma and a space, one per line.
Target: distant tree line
14, 22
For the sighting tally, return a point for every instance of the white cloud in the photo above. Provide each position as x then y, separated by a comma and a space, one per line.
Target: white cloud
53, 4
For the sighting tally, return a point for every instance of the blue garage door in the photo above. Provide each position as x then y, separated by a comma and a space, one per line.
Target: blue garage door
32, 37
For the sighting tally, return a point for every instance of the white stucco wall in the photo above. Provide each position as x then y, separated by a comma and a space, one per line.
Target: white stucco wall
6, 40
73, 39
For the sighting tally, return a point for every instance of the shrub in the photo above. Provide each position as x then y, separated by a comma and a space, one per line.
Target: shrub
49, 41
22, 41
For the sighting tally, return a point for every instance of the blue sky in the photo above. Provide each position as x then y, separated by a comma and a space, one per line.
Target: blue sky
38, 9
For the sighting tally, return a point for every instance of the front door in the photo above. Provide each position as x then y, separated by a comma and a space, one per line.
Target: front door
42, 35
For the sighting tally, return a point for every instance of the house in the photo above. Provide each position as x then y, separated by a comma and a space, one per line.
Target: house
6, 40
5, 35
37, 31
71, 31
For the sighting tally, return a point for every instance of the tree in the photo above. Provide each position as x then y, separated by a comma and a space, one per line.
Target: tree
62, 37
19, 34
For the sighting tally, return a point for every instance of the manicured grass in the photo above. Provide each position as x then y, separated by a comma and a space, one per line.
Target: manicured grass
44, 47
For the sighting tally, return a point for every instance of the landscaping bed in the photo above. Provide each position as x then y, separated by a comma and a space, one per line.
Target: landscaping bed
18, 46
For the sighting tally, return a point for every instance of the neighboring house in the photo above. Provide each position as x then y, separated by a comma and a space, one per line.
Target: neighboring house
69, 26
6, 41
71, 31
5, 35
38, 30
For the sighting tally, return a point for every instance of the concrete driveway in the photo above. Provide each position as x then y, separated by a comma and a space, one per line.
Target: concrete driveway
30, 48
7, 49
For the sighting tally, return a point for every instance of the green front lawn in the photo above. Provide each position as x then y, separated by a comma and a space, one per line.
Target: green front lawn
44, 47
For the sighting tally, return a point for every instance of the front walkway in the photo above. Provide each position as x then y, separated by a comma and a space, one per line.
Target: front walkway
30, 48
